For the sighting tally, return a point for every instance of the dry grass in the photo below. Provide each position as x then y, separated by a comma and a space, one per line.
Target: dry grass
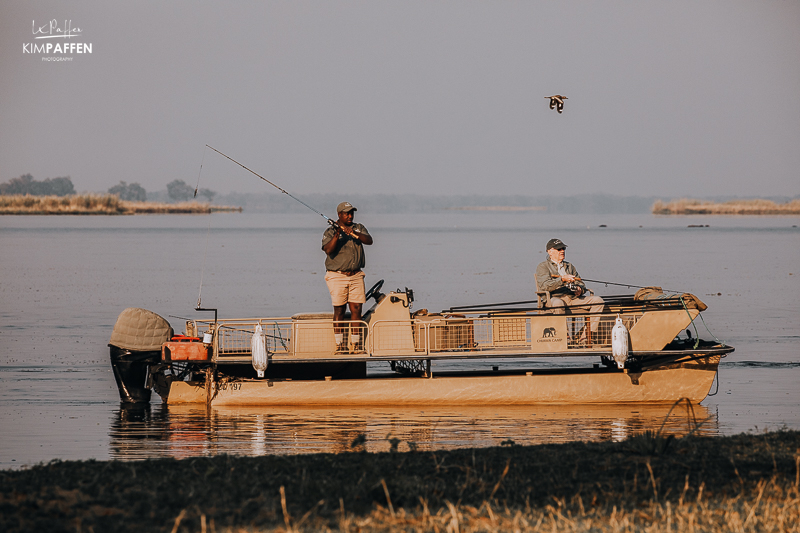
740, 483
97, 204
770, 507
688, 206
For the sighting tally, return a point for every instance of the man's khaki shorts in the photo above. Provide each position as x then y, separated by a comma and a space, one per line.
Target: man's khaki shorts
344, 288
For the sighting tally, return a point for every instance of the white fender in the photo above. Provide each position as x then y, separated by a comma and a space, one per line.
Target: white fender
619, 343
259, 351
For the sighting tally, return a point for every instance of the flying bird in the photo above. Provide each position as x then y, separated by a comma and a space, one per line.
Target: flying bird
557, 102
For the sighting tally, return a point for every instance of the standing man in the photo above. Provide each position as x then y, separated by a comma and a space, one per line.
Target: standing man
344, 244
561, 279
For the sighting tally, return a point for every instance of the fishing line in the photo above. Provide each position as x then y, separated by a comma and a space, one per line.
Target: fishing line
208, 233
691, 320
716, 378
709, 331
704, 323
198, 174
330, 221
203, 269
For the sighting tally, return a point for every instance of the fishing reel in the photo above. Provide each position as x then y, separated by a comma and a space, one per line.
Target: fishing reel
574, 288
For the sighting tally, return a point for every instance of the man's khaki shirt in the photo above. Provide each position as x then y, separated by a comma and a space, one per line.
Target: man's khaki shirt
548, 279
349, 253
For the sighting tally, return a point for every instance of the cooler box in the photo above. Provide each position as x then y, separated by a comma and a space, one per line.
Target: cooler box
185, 349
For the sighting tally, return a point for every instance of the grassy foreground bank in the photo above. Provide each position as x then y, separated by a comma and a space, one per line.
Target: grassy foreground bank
737, 207
93, 204
739, 483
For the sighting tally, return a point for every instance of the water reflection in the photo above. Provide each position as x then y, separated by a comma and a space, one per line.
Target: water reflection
190, 431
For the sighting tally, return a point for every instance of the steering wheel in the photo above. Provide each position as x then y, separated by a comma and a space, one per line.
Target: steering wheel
374, 290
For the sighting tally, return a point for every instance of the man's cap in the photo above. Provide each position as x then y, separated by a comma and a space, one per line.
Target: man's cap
556, 243
344, 207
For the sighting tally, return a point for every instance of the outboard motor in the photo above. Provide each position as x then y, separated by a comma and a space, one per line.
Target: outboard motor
135, 344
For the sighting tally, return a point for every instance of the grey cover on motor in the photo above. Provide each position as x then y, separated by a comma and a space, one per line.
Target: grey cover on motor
140, 330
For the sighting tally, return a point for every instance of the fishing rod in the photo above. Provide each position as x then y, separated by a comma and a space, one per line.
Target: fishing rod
480, 306
330, 220
500, 304
611, 283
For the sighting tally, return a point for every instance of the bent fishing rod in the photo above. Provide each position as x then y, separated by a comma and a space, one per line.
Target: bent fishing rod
330, 220
488, 307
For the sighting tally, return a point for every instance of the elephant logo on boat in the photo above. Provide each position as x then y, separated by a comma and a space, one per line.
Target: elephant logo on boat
549, 332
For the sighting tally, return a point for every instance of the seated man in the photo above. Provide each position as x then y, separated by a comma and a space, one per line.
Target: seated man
561, 279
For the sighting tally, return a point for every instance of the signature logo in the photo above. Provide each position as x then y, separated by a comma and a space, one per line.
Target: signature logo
549, 335
54, 29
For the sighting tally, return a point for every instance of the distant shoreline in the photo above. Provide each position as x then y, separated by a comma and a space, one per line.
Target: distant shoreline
92, 204
738, 207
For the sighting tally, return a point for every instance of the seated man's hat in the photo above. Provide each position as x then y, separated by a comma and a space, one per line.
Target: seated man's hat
556, 243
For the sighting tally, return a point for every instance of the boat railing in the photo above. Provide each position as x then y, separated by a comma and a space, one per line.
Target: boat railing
423, 336
601, 336
233, 337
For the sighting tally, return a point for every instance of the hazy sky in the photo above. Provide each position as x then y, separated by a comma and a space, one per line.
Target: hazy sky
671, 98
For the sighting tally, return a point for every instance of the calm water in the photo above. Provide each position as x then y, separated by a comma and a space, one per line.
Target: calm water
64, 280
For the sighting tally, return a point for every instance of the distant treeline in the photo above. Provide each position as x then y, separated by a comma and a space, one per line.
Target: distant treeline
25, 184
177, 190
130, 192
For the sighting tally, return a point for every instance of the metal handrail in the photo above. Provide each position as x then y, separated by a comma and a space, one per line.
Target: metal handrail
422, 337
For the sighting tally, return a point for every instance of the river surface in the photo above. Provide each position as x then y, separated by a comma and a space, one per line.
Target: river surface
65, 279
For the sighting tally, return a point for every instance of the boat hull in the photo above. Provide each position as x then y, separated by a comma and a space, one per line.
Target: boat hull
690, 380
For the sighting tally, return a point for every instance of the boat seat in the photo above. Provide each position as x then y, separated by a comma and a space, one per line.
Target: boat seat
543, 297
